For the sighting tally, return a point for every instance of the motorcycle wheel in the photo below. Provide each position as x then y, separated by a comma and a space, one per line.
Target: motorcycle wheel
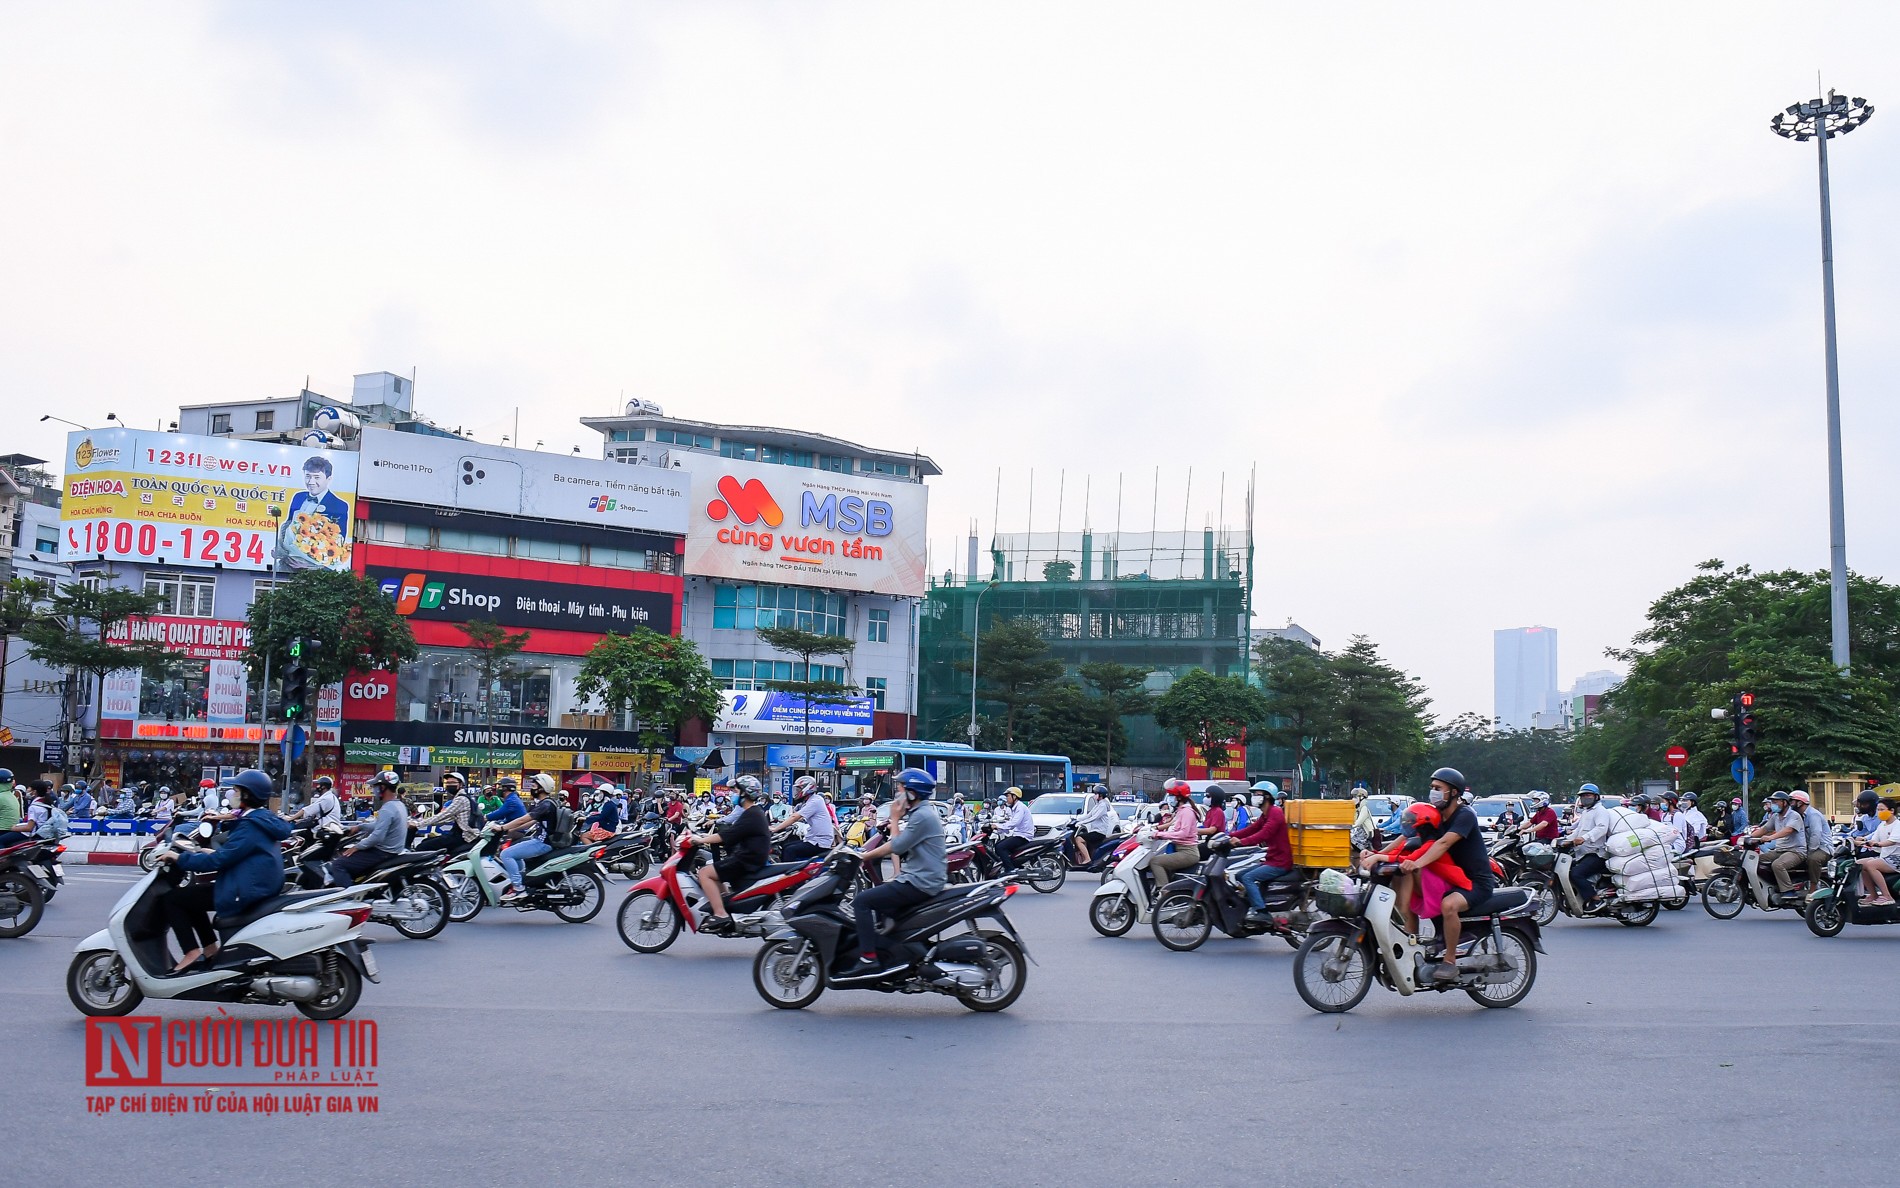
146, 861
1722, 897
1181, 923
96, 981
430, 901
1111, 915
1636, 915
642, 866
1544, 895
647, 923
1048, 874
591, 889
1506, 994
24, 903
339, 998
1005, 953
465, 897
1331, 973
1825, 917
1675, 905
786, 973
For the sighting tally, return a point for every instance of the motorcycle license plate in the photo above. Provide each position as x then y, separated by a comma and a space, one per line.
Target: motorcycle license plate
369, 964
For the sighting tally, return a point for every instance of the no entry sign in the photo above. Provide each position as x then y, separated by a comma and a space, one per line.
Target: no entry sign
1675, 756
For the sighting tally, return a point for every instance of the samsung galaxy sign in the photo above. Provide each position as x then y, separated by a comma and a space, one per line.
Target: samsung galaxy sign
849, 532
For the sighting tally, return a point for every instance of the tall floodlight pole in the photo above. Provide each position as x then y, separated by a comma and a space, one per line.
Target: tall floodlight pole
976, 634
1820, 120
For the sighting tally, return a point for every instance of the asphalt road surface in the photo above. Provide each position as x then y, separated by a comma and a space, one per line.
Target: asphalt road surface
513, 1047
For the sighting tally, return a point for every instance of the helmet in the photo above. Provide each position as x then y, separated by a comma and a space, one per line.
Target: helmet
457, 776
921, 785
384, 781
254, 787
202, 784
1589, 790
1688, 798
165, 790
1866, 800
748, 783
1172, 786
1778, 796
1799, 797
324, 783
1420, 815
1640, 800
1671, 796
544, 783
1452, 776
1099, 790
6, 775
506, 783
1012, 790
1540, 799
1267, 786
804, 786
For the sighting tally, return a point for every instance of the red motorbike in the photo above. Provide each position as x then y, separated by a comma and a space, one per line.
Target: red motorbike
657, 908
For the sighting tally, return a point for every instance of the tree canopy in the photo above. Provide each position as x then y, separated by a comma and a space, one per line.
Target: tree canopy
662, 680
353, 624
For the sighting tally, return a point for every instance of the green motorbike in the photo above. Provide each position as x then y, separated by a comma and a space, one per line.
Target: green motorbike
1836, 903
566, 881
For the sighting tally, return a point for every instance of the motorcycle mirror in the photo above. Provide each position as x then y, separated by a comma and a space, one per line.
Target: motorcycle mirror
204, 830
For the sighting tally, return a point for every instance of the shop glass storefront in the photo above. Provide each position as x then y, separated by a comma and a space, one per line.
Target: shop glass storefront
446, 686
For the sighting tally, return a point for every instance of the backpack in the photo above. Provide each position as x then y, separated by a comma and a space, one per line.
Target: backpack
561, 832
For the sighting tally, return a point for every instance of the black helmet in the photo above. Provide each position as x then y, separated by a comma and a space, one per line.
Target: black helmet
1866, 800
919, 783
254, 787
1452, 776
1640, 800
1688, 798
1098, 790
6, 775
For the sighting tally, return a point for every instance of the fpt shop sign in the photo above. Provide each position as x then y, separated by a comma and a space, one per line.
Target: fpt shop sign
789, 526
459, 597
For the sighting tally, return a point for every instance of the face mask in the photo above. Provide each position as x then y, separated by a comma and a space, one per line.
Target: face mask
1439, 795
1885, 814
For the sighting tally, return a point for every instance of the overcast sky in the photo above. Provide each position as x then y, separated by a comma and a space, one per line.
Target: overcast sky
1515, 307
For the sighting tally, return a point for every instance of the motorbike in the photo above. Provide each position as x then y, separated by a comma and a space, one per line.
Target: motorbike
1364, 943
1742, 879
1126, 897
566, 881
1528, 864
305, 948
656, 909
1631, 913
1100, 859
939, 946
162, 835
1038, 861
406, 892
1836, 903
630, 854
1196, 902
22, 900
42, 862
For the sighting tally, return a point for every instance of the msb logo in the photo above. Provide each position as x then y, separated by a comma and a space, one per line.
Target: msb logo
750, 501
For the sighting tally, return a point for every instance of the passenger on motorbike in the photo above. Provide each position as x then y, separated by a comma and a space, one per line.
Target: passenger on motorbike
1820, 836
462, 809
1783, 833
249, 867
1691, 825
748, 845
1589, 837
1017, 827
382, 839
821, 824
1866, 814
1269, 832
1885, 842
918, 838
1096, 823
1214, 821
12, 812
1183, 829
1460, 839
604, 822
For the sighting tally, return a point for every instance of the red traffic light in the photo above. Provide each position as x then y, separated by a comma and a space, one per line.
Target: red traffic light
1748, 699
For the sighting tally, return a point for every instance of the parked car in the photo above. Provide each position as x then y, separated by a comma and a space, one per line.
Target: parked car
1053, 810
1490, 809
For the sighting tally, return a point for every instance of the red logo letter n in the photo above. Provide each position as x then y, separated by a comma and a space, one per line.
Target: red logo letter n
122, 1052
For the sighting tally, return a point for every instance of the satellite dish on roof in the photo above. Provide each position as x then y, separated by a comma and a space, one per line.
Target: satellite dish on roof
644, 408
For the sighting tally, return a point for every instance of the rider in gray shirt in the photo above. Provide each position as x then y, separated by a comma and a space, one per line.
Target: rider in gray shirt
920, 842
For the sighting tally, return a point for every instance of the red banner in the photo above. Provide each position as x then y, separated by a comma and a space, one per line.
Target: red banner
200, 639
1234, 766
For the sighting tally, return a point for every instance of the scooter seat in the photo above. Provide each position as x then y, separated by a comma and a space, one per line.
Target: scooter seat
543, 859
777, 869
227, 925
1502, 900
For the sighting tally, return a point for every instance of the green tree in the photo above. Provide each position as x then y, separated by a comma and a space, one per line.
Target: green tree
1381, 732
661, 680
1207, 711
808, 646
1303, 700
989, 732
72, 629
352, 623
1121, 691
495, 648
1506, 761
1068, 721
1058, 571
1013, 669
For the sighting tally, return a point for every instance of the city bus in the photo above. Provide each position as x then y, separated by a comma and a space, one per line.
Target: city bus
979, 775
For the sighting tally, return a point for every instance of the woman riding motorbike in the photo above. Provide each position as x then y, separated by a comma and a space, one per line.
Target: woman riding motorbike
1183, 828
249, 866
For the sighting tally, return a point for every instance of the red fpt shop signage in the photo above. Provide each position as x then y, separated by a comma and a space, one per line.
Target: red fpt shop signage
459, 597
199, 639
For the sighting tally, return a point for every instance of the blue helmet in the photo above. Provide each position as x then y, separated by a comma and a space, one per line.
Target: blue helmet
919, 783
254, 787
1589, 790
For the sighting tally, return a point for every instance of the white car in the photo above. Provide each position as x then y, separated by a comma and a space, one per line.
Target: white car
1490, 810
1053, 810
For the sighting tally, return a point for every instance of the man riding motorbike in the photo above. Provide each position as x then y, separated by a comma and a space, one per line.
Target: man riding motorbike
324, 808
462, 809
821, 827
748, 844
917, 837
1783, 833
511, 809
1541, 825
1018, 825
531, 829
1460, 839
383, 838
1589, 838
249, 867
1269, 832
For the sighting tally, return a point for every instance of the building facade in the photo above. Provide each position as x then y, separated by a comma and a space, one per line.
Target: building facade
1524, 673
33, 697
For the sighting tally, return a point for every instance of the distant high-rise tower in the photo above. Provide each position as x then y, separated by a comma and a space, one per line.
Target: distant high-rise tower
1525, 670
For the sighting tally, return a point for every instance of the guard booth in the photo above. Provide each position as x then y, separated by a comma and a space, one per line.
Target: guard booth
1833, 792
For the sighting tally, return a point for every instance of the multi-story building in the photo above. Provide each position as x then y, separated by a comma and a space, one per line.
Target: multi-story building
1524, 665
795, 529
32, 696
378, 398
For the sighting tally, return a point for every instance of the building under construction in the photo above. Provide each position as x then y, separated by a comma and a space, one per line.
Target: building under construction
1168, 602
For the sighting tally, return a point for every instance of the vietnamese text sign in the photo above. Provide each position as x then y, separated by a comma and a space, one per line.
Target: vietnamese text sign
171, 499
200, 639
228, 693
785, 713
789, 525
460, 597
452, 473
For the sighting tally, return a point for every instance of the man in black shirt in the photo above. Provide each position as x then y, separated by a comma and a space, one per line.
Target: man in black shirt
747, 840
1460, 839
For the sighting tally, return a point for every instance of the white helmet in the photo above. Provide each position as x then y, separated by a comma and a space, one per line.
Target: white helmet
544, 782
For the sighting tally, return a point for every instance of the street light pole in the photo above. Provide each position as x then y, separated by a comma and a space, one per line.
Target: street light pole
1821, 120
263, 691
976, 635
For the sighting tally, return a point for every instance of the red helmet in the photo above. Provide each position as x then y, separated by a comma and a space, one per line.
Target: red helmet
1422, 816
207, 783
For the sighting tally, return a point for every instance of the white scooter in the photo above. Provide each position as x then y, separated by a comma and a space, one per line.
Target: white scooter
1125, 897
1631, 913
305, 948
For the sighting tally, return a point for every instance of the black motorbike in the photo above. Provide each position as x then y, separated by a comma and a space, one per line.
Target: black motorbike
630, 854
1196, 902
1038, 861
940, 946
22, 902
412, 898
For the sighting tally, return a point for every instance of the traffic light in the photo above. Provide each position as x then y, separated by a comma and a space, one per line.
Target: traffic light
1742, 723
296, 693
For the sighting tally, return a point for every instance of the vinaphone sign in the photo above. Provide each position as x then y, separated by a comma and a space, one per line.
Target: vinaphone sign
791, 526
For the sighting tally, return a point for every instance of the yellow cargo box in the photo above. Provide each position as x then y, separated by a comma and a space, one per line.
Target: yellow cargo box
1320, 831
